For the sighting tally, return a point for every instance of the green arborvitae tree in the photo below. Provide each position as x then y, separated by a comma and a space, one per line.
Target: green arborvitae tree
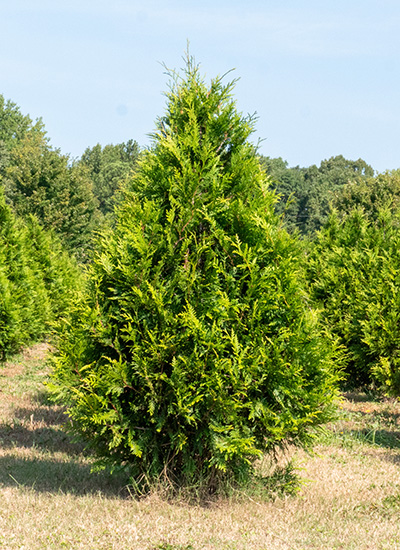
195, 350
24, 305
40, 181
354, 278
38, 280
354, 272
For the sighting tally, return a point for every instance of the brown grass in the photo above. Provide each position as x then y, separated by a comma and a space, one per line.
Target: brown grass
349, 499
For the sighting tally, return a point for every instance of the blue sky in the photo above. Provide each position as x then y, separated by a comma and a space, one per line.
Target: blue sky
323, 76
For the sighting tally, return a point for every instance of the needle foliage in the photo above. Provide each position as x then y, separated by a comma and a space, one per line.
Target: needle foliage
354, 272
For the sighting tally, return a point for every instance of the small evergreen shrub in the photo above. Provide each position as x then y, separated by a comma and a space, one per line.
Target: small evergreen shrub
195, 350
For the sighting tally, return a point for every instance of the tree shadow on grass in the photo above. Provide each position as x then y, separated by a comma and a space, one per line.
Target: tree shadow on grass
38, 453
41, 428
51, 416
386, 439
52, 440
358, 396
48, 475
382, 438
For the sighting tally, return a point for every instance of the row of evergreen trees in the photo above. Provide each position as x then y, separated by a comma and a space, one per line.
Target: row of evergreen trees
216, 321
50, 208
353, 272
38, 280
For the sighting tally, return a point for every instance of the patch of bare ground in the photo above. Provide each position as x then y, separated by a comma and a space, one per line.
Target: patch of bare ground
49, 499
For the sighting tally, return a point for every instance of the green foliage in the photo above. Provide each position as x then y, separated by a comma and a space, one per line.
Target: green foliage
14, 126
370, 194
195, 350
37, 280
354, 272
108, 168
306, 194
39, 180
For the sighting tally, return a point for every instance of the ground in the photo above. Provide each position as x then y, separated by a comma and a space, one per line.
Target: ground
348, 498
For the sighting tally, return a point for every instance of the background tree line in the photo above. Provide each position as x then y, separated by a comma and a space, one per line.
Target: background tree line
72, 197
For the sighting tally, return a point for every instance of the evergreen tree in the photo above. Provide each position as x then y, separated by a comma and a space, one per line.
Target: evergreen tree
195, 350
24, 306
40, 181
38, 280
354, 269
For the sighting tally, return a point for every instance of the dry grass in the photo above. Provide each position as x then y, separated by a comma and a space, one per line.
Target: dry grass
350, 498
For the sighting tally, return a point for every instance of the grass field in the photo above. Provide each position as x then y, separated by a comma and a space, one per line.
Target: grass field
349, 496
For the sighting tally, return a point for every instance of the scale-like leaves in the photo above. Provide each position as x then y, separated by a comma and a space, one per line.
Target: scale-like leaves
222, 359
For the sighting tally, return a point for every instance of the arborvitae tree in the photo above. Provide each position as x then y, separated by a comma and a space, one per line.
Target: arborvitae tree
354, 270
196, 350
38, 280
24, 303
39, 181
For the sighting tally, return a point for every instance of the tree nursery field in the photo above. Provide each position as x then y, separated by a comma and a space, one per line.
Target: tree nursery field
199, 346
343, 493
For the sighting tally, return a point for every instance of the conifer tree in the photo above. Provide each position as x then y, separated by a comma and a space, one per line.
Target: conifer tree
354, 274
195, 351
38, 280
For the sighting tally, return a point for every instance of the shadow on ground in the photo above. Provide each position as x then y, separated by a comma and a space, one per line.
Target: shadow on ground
44, 414
381, 438
56, 476
44, 439
40, 428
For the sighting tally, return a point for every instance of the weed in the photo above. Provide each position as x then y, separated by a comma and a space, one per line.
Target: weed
390, 505
168, 546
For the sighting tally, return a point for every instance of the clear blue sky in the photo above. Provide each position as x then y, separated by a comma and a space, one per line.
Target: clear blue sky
323, 76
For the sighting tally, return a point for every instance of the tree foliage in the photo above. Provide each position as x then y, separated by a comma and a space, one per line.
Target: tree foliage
370, 194
37, 280
195, 350
354, 272
108, 168
306, 194
38, 180
14, 126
